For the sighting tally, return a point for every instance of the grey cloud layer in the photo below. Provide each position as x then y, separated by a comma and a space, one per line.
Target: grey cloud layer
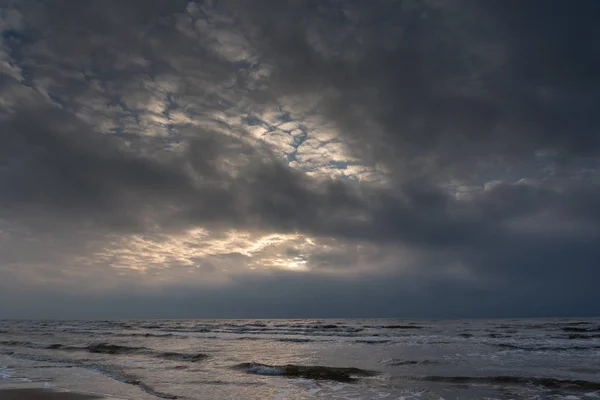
476, 123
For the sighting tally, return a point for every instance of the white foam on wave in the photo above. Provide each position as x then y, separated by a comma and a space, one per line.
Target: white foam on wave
5, 372
7, 375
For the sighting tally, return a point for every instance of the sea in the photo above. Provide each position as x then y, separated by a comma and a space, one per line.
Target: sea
306, 358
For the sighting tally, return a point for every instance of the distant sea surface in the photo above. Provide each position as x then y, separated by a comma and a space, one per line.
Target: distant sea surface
307, 359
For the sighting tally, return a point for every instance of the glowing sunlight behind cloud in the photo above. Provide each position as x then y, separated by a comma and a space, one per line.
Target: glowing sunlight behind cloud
206, 253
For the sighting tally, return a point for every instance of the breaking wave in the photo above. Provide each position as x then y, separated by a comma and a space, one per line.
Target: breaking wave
107, 348
339, 374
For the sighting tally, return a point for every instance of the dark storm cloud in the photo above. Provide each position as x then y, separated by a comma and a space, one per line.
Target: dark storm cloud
465, 91
459, 101
52, 162
456, 83
55, 164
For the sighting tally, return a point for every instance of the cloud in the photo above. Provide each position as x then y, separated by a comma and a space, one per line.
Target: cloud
240, 144
451, 93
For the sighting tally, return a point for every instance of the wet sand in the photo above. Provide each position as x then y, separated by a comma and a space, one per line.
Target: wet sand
41, 394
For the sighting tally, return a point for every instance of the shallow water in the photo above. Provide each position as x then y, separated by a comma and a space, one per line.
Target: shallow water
304, 359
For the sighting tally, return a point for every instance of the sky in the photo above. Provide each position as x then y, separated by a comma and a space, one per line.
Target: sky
291, 159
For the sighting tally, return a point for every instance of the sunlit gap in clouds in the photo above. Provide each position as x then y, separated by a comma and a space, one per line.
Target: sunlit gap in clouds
200, 251
298, 264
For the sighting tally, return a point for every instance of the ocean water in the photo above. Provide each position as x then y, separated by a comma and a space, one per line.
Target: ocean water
307, 359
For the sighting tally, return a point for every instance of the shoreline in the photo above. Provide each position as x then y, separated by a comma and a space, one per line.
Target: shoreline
47, 394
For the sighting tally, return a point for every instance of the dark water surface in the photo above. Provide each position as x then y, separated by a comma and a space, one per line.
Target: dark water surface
306, 359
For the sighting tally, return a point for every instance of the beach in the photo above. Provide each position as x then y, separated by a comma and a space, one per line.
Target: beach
44, 394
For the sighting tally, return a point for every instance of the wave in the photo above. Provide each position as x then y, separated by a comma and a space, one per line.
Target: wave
173, 356
327, 326
117, 334
576, 329
107, 348
146, 335
118, 375
367, 341
150, 326
339, 374
179, 367
13, 343
111, 349
31, 345
395, 326
555, 325
295, 340
156, 393
398, 363
583, 336
102, 348
499, 335
549, 383
548, 348
252, 328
